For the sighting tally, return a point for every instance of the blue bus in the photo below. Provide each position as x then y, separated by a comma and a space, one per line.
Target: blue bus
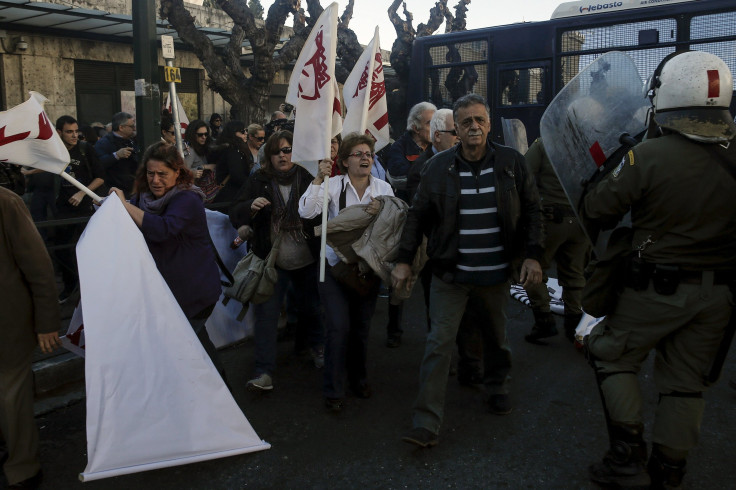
519, 68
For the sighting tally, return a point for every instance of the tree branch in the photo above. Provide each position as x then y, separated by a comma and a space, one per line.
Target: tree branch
436, 18
459, 23
347, 14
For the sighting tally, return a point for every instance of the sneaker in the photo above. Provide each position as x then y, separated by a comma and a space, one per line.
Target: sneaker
421, 437
261, 383
499, 404
611, 474
318, 356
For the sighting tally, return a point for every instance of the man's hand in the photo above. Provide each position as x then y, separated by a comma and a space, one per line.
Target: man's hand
531, 273
117, 192
124, 152
324, 169
400, 275
76, 198
48, 342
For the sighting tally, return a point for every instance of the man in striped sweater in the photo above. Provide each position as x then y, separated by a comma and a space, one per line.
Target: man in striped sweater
480, 208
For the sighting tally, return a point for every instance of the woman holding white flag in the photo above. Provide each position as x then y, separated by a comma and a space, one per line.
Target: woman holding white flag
348, 312
169, 210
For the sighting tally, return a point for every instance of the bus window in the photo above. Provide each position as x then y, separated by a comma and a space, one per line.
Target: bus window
454, 70
522, 86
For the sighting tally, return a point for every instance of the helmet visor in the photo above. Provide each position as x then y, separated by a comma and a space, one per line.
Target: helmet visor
708, 123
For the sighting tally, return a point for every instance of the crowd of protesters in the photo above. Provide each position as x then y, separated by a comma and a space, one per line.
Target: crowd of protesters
477, 240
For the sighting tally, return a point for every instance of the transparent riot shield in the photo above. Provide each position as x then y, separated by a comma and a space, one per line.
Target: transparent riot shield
514, 135
583, 125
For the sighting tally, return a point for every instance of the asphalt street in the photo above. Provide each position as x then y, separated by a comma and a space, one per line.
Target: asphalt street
555, 430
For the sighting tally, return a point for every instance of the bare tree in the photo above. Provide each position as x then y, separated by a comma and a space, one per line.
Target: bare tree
249, 96
402, 47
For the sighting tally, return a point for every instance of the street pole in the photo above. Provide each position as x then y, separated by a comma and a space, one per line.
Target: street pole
167, 50
145, 64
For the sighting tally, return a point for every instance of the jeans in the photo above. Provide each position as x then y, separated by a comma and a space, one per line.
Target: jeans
348, 320
267, 314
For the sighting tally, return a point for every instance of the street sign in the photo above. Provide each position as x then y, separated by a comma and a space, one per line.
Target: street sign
167, 47
172, 74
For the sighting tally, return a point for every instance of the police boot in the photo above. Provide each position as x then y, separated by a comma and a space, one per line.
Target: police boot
666, 473
544, 326
571, 324
623, 466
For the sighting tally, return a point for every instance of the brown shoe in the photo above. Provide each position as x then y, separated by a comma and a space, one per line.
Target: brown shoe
421, 437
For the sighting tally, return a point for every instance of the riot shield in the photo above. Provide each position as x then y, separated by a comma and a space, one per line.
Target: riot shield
583, 125
514, 135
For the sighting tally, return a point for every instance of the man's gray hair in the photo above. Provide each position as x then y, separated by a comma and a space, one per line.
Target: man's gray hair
439, 121
415, 114
119, 119
467, 101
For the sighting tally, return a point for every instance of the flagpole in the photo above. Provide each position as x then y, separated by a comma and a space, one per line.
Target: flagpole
80, 186
323, 238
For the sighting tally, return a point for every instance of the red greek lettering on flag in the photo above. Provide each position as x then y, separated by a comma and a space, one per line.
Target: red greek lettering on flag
367, 109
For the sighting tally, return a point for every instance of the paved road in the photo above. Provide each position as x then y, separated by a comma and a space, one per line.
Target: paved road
554, 432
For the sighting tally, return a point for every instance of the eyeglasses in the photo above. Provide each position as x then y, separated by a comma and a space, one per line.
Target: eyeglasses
259, 138
202, 135
451, 131
361, 154
285, 150
241, 131
170, 132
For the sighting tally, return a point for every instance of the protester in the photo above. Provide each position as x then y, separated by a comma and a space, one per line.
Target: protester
168, 131
236, 160
477, 240
269, 204
30, 316
169, 210
73, 203
256, 137
198, 159
348, 313
215, 127
409, 146
118, 153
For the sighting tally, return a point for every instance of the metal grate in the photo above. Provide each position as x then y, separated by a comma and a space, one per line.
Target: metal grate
445, 85
522, 87
467, 52
618, 36
646, 61
713, 25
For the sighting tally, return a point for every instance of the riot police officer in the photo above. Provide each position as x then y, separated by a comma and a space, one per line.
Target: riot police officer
681, 190
565, 243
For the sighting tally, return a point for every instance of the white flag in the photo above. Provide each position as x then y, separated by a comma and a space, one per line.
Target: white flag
27, 137
364, 93
314, 93
183, 119
154, 398
73, 341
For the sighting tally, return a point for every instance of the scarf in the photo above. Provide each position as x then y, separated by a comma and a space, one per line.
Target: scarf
285, 216
152, 205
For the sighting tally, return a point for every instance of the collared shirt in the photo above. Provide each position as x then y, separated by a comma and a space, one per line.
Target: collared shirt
310, 204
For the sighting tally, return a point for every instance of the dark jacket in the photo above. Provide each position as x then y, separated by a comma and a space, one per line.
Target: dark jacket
120, 173
236, 166
434, 211
259, 185
415, 172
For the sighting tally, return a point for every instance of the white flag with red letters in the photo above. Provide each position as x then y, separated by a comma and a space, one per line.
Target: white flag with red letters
314, 93
364, 94
183, 119
28, 138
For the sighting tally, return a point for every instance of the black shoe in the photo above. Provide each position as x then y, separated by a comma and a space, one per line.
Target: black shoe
393, 341
611, 474
421, 437
334, 404
499, 404
32, 482
544, 326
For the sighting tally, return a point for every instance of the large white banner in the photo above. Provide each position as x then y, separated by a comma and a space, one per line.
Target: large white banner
27, 137
154, 398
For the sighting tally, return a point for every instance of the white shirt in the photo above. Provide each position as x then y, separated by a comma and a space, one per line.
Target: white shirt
310, 204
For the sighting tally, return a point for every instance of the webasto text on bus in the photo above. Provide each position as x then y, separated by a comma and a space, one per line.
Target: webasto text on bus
600, 6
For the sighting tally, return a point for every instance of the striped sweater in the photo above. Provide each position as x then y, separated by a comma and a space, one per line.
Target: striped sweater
481, 258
